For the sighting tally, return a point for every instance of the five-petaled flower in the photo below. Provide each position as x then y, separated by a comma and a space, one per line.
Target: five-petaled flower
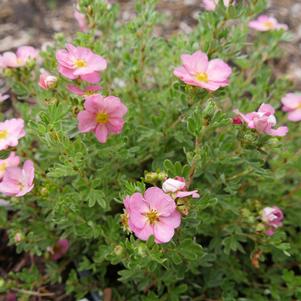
80, 62
154, 213
18, 181
198, 71
263, 121
103, 115
11, 161
10, 132
272, 217
266, 23
292, 104
20, 58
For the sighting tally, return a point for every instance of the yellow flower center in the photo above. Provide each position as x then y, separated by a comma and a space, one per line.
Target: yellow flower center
3, 134
2, 167
269, 24
152, 216
89, 92
80, 63
102, 117
202, 77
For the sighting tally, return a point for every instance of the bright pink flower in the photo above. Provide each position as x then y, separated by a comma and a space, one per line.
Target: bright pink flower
155, 214
47, 81
87, 91
3, 97
81, 20
263, 121
292, 104
272, 217
23, 54
59, 249
102, 115
11, 161
10, 132
210, 5
80, 62
266, 23
177, 188
198, 71
18, 181
236, 120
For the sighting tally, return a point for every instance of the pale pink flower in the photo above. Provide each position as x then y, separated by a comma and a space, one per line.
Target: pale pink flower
272, 217
198, 71
60, 248
80, 62
47, 81
20, 58
10, 132
102, 115
87, 91
292, 104
11, 161
263, 121
3, 97
177, 188
81, 20
18, 181
210, 5
266, 23
155, 214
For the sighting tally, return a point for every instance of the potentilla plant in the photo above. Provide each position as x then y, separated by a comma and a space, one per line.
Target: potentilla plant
139, 167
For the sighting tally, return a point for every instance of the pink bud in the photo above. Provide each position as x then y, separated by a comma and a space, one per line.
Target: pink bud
47, 81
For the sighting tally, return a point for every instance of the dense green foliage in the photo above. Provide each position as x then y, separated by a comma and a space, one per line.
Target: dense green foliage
220, 252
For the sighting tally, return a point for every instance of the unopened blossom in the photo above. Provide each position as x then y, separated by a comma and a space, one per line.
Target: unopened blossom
20, 58
11, 161
272, 217
177, 188
292, 104
152, 214
81, 20
87, 91
3, 97
18, 181
59, 249
47, 81
102, 115
210, 5
263, 121
266, 23
11, 131
198, 71
80, 62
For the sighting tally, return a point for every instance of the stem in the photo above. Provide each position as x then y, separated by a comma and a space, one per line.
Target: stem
33, 293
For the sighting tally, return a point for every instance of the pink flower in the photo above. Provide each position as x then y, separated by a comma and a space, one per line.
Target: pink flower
18, 181
292, 104
10, 132
22, 56
11, 161
263, 121
3, 97
155, 214
272, 217
47, 81
102, 115
198, 71
87, 91
80, 62
210, 5
81, 20
177, 188
266, 23
59, 249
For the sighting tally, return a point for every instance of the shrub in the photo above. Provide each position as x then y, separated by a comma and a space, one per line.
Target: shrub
102, 154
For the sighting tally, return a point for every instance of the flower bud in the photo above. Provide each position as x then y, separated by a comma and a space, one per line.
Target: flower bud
47, 81
172, 185
118, 250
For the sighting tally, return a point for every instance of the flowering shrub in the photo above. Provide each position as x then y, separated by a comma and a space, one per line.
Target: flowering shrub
176, 195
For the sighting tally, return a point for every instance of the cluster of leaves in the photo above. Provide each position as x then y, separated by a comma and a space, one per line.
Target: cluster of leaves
220, 252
